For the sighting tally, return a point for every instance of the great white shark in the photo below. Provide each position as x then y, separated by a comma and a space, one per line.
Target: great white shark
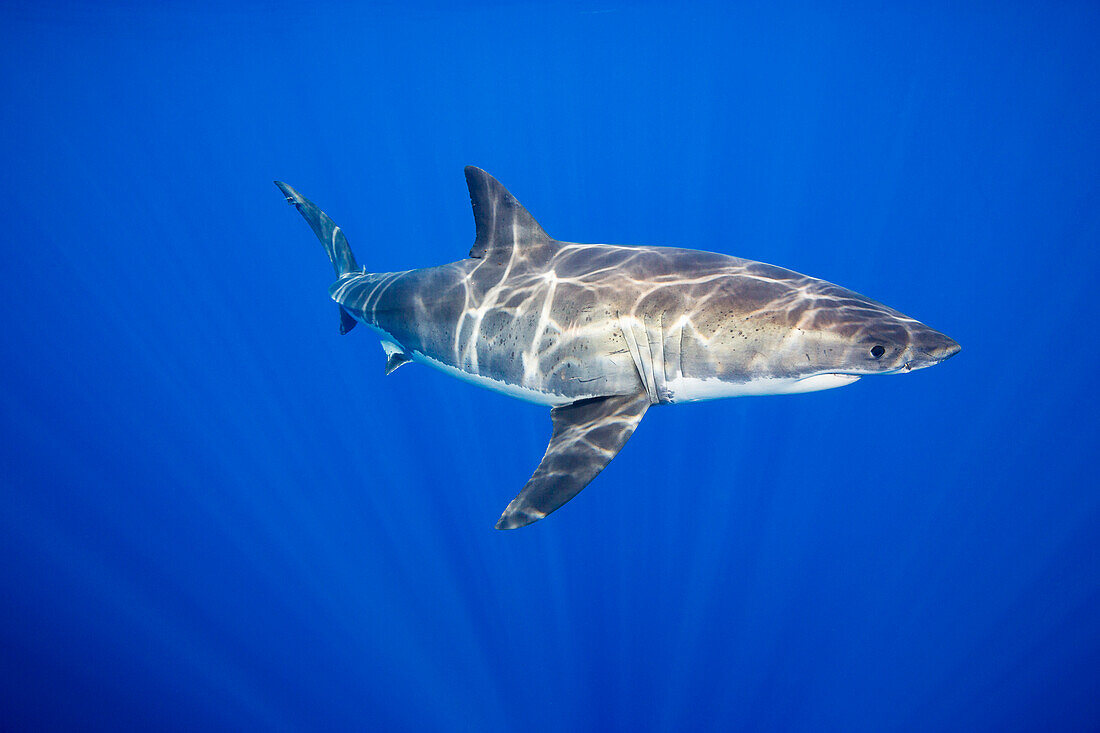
599, 332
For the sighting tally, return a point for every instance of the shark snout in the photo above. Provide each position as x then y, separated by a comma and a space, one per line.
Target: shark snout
931, 347
952, 348
944, 347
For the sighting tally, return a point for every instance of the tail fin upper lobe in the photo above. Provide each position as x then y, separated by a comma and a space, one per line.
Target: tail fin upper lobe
336, 245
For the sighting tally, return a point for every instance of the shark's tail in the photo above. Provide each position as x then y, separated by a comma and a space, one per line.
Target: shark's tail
336, 245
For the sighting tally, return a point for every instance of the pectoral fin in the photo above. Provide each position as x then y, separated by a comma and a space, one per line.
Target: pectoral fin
587, 435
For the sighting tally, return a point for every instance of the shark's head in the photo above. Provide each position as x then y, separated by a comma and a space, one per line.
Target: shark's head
846, 334
767, 330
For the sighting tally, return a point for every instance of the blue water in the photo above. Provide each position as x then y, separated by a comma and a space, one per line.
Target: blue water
218, 514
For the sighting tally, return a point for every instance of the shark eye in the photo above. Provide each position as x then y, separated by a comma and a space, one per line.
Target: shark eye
878, 350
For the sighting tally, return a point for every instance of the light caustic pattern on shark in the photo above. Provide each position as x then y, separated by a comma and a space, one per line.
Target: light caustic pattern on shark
600, 332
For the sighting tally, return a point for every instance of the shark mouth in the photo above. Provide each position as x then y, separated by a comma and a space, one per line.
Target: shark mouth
821, 381
688, 389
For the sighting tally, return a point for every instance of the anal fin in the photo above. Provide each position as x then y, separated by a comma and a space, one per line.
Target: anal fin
587, 435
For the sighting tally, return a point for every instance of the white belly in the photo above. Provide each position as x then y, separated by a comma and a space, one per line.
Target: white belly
691, 389
512, 390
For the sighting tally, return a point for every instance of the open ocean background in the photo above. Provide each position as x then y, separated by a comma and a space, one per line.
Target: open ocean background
216, 513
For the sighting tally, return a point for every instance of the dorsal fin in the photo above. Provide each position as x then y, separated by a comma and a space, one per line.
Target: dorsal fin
502, 222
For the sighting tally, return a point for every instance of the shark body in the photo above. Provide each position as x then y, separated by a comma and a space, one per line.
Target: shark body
601, 332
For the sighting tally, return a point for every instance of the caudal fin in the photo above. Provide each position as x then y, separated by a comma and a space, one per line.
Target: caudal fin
336, 245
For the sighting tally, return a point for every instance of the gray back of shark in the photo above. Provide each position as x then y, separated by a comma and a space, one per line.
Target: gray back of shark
601, 332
